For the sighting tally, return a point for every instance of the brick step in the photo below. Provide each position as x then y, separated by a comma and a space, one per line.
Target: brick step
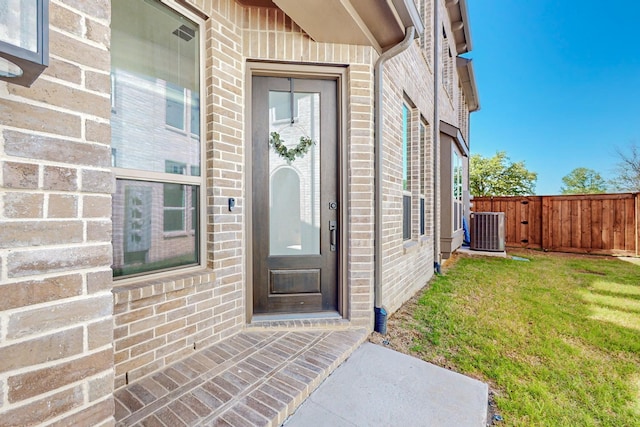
254, 378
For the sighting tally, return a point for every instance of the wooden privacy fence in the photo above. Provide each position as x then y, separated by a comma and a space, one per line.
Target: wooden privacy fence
594, 223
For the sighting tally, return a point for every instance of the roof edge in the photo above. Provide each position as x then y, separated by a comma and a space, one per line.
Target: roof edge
468, 80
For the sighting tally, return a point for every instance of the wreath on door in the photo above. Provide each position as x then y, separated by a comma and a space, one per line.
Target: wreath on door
290, 154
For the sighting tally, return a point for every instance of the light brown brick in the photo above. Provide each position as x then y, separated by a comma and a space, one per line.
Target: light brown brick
60, 179
98, 33
42, 349
40, 411
100, 387
100, 333
170, 305
20, 175
99, 9
98, 132
96, 207
133, 340
100, 82
60, 95
94, 415
94, 181
65, 19
20, 294
147, 346
38, 147
23, 205
99, 231
130, 364
42, 319
25, 116
99, 281
78, 52
133, 315
26, 263
64, 71
33, 383
37, 233
62, 206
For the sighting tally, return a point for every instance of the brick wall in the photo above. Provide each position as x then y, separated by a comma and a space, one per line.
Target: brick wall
408, 264
56, 354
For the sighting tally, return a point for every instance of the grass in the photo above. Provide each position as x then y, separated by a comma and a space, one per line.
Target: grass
558, 338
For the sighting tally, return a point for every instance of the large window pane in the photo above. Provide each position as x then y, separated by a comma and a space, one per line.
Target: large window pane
153, 226
155, 126
405, 147
156, 74
175, 107
406, 174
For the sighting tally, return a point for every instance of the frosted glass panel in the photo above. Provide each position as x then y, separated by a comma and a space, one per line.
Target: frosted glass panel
294, 185
19, 23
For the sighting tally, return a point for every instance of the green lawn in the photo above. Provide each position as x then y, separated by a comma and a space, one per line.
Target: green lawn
557, 338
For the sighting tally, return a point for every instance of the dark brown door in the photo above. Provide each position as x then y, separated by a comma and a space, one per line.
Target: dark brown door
295, 195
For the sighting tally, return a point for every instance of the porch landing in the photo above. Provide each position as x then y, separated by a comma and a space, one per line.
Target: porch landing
255, 378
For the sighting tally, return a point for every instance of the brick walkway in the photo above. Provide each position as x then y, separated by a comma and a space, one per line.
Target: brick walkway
255, 378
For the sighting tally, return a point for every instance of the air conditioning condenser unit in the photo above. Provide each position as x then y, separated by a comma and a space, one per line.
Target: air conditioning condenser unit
487, 231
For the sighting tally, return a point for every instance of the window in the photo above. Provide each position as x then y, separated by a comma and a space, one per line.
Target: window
406, 174
182, 107
447, 64
424, 162
457, 191
175, 106
426, 14
156, 144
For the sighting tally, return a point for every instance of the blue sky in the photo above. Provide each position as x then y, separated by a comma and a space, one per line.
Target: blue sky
558, 81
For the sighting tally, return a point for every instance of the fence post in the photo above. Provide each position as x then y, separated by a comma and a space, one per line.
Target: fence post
637, 213
544, 223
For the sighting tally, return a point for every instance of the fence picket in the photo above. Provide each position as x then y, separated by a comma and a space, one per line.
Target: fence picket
599, 223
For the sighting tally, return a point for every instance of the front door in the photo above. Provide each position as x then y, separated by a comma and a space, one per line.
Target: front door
295, 195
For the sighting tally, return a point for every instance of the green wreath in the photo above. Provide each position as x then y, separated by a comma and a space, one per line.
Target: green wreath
290, 154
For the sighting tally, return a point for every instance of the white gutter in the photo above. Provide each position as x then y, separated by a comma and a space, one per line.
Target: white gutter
378, 166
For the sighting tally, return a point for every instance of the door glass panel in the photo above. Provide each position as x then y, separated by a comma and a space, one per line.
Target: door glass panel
294, 183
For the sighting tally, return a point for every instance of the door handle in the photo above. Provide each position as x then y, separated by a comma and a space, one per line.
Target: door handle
333, 226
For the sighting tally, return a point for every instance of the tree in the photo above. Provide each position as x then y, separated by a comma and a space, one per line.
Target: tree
628, 170
583, 181
498, 176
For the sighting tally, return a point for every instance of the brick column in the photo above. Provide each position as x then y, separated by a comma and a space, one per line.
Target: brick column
56, 325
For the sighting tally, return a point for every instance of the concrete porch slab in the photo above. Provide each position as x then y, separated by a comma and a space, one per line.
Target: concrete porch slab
377, 386
466, 251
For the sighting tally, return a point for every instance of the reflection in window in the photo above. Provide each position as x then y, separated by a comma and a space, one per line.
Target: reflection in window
175, 110
457, 191
155, 127
406, 163
147, 216
174, 207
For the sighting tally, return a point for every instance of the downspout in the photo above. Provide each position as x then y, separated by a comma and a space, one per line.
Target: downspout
436, 141
380, 313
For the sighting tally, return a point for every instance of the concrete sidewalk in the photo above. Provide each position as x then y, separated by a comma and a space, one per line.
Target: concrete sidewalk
377, 386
